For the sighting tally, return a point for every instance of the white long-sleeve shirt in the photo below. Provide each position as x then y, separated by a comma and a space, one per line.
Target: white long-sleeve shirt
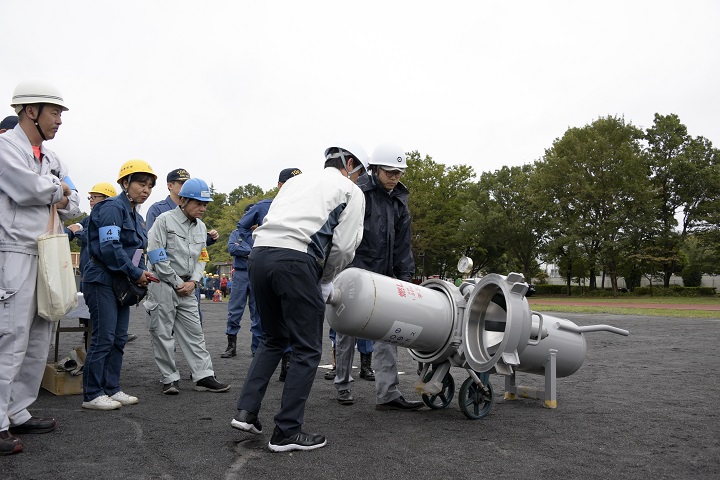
27, 190
318, 213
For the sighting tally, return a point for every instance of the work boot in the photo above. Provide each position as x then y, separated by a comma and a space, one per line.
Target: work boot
366, 370
9, 443
399, 404
231, 348
284, 365
34, 425
330, 375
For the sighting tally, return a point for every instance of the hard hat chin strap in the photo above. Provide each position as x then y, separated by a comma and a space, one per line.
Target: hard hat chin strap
341, 155
127, 194
357, 167
130, 199
37, 125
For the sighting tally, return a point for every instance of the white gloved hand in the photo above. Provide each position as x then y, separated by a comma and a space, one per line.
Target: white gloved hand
327, 289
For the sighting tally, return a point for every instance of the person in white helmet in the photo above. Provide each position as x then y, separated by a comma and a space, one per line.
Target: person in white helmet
309, 235
385, 249
32, 179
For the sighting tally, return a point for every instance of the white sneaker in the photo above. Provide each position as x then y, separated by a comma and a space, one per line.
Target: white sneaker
124, 398
103, 402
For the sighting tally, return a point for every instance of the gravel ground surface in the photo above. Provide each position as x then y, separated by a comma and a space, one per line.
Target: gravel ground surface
643, 406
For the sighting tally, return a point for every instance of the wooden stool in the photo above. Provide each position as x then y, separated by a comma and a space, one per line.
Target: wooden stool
82, 314
84, 325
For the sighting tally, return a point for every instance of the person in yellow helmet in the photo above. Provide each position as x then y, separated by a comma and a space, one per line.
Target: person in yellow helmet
76, 231
116, 238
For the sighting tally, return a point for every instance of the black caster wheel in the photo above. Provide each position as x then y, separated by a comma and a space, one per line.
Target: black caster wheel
442, 399
475, 402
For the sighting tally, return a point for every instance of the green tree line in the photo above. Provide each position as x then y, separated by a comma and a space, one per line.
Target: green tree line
607, 199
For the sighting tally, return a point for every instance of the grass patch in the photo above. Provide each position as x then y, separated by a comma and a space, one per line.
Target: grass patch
614, 309
630, 300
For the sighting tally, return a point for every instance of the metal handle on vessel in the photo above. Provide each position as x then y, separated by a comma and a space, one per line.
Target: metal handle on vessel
539, 330
592, 328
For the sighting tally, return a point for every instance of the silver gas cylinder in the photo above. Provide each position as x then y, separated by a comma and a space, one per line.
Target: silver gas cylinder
376, 307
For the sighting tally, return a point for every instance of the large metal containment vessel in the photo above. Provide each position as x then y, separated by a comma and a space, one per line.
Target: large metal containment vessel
500, 329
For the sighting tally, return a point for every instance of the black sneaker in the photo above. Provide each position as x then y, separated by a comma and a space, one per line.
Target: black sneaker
299, 441
210, 384
172, 388
247, 422
344, 397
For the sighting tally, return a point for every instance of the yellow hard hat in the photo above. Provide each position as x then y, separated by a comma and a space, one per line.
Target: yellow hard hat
103, 188
135, 166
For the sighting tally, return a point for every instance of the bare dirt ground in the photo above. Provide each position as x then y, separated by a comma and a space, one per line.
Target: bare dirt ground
642, 406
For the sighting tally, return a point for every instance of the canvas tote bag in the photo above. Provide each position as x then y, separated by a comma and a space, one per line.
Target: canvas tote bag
56, 289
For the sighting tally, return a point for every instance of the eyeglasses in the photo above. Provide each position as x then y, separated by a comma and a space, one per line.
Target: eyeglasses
392, 173
97, 197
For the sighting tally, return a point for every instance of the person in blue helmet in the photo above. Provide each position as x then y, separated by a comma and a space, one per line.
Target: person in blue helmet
175, 180
239, 246
177, 254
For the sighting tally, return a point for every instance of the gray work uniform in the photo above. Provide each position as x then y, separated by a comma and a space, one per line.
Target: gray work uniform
183, 240
28, 187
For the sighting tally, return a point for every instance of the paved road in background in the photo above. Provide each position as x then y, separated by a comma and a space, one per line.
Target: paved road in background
643, 406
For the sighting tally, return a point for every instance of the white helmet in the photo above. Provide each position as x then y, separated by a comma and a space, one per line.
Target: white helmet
389, 155
36, 91
354, 149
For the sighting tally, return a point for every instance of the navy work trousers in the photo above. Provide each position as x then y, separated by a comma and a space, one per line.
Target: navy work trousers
286, 284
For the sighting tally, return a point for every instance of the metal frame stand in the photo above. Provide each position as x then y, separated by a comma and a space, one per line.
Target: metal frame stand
548, 393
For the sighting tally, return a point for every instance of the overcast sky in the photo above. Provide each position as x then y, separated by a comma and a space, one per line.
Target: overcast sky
235, 91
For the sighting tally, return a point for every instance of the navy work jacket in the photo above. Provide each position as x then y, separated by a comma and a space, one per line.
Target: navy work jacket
386, 243
115, 255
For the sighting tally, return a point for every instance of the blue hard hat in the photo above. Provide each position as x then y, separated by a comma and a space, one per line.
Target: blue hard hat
196, 189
